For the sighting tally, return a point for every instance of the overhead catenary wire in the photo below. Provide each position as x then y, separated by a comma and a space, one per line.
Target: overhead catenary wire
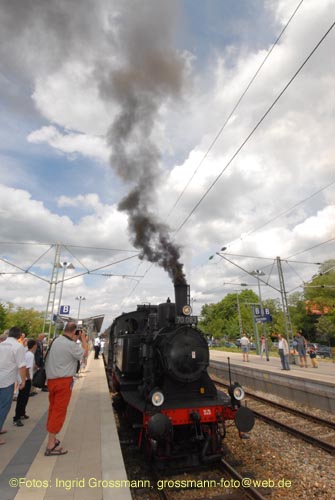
76, 258
260, 121
23, 271
100, 267
26, 271
68, 245
310, 248
286, 260
281, 214
242, 145
285, 212
235, 107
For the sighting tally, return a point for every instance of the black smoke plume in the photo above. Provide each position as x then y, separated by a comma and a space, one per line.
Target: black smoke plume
150, 75
128, 47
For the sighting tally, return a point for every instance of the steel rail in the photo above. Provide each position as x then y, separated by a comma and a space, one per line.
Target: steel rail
329, 448
279, 406
248, 491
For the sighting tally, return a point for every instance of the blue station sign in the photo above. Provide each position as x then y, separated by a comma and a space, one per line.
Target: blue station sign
65, 310
262, 315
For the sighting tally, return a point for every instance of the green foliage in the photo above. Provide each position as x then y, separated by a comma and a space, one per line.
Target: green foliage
3, 315
320, 293
321, 289
299, 317
325, 329
277, 324
222, 319
29, 320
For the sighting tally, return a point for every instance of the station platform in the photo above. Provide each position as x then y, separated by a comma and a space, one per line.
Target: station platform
314, 387
92, 469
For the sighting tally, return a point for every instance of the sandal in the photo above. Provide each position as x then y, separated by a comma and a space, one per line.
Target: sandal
53, 452
3, 431
2, 442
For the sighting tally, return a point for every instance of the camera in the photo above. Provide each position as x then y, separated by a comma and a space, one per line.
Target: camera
78, 332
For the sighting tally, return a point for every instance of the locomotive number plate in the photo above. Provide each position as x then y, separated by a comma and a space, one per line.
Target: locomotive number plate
186, 320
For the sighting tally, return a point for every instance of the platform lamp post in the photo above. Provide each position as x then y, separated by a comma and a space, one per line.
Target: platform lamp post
257, 273
80, 298
64, 266
239, 315
240, 324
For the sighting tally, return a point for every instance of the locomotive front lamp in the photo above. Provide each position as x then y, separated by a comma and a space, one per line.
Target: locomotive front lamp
187, 310
238, 393
157, 398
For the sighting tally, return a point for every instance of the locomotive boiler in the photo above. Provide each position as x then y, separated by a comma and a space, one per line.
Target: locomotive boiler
157, 362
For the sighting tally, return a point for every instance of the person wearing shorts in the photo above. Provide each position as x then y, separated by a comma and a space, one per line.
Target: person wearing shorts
301, 348
245, 344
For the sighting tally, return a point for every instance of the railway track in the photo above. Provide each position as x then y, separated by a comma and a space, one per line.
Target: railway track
223, 482
315, 430
220, 481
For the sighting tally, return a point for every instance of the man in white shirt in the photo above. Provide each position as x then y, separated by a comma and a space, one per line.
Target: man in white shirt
96, 347
283, 351
22, 400
245, 344
12, 364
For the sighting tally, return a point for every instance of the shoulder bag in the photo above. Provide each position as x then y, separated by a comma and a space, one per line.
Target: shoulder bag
40, 376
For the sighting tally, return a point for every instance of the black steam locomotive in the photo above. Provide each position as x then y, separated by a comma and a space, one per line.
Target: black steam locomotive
157, 363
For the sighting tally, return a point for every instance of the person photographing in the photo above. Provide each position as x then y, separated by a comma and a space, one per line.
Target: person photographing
61, 366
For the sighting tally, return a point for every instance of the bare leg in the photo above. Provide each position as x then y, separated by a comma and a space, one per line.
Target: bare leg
51, 440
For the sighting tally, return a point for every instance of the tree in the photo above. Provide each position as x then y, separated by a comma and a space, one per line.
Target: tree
319, 296
300, 318
326, 329
3, 315
222, 319
29, 320
320, 292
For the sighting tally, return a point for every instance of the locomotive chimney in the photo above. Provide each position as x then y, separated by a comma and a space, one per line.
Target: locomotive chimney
182, 297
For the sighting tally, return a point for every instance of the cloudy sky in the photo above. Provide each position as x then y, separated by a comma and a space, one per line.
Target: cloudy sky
127, 138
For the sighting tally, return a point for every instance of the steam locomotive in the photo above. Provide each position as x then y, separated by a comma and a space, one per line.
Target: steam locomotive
157, 363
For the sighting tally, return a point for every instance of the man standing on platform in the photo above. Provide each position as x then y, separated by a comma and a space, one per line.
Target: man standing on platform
39, 359
245, 345
302, 349
96, 347
23, 397
12, 363
61, 365
283, 352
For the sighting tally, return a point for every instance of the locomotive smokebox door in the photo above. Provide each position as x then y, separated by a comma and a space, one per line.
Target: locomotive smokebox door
186, 354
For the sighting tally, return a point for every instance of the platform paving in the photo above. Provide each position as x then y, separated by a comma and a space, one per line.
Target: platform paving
89, 434
325, 371
313, 387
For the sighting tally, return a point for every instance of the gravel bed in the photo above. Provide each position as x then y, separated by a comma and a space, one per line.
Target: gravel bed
273, 454
299, 406
301, 470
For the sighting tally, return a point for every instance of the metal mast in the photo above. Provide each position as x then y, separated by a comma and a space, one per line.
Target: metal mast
48, 317
287, 317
